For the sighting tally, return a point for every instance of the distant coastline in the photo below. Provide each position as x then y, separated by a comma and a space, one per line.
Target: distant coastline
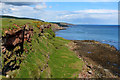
105, 34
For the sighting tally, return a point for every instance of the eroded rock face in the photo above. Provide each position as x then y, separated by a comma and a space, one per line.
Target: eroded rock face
13, 38
12, 44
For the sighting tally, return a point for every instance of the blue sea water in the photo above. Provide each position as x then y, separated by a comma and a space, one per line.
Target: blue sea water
103, 33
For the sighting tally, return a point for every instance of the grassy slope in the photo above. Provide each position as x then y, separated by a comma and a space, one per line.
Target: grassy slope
43, 50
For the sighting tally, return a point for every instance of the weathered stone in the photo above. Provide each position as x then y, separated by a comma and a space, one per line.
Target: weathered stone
9, 33
42, 26
88, 66
16, 41
28, 35
27, 27
7, 76
90, 72
6, 32
3, 49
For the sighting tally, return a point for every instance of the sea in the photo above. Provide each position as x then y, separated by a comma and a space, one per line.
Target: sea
103, 33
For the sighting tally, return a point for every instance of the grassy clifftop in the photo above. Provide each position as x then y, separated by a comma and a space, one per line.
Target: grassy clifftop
44, 56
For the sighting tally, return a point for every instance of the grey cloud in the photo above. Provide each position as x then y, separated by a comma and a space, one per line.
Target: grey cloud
20, 3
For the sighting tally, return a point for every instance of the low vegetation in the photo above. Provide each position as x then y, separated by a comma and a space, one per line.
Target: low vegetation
45, 56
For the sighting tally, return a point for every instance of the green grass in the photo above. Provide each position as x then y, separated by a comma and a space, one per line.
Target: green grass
62, 62
8, 23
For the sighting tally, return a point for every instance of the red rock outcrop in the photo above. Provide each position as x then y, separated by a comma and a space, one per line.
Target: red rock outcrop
13, 37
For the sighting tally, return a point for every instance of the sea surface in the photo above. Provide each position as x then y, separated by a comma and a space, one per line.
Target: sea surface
103, 33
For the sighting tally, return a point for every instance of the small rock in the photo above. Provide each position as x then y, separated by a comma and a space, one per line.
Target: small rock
3, 49
90, 72
7, 76
6, 32
89, 66
12, 76
106, 70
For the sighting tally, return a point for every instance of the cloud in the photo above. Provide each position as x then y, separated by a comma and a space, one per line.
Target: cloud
92, 16
94, 13
21, 8
5, 8
41, 6
88, 16
97, 11
20, 3
21, 11
21, 0
98, 16
50, 6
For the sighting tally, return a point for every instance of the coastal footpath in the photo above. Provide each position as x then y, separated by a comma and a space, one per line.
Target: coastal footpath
30, 49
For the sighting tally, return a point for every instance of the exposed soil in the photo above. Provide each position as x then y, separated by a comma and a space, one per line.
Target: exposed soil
102, 59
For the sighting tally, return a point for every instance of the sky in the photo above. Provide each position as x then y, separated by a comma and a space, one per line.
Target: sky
70, 12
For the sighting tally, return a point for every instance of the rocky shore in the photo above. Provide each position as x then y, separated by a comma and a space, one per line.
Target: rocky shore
101, 60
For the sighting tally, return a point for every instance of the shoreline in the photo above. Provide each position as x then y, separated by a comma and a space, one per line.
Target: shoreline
112, 41
103, 58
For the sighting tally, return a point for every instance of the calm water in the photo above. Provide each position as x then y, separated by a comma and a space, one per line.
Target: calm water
103, 33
